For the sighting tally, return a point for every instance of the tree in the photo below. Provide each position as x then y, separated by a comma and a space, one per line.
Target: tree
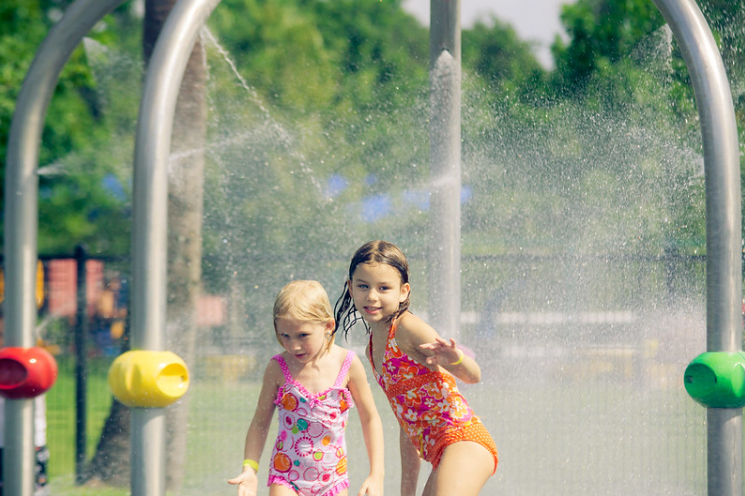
726, 20
69, 212
601, 34
362, 68
496, 53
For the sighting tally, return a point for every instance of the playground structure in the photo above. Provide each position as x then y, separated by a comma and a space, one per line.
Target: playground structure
168, 377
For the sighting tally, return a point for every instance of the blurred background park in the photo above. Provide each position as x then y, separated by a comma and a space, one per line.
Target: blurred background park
305, 134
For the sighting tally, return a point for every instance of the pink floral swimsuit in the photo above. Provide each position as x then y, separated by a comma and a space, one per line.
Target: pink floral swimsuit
310, 453
427, 403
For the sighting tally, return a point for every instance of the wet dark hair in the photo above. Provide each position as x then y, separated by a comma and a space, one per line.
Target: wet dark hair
381, 252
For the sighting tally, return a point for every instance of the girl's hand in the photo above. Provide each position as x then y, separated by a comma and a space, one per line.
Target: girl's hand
443, 352
247, 483
373, 486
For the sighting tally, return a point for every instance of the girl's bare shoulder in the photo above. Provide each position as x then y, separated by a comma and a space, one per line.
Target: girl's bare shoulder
414, 331
338, 352
273, 373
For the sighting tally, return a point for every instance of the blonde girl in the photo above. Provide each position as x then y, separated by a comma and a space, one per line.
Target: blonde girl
313, 383
416, 369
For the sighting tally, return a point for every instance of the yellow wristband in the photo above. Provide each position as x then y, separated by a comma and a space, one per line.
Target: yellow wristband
251, 463
460, 359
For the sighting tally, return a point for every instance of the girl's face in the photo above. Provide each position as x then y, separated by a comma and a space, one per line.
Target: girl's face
377, 291
304, 341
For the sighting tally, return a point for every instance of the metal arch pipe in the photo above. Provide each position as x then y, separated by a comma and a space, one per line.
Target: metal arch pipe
152, 149
723, 226
722, 190
21, 218
150, 212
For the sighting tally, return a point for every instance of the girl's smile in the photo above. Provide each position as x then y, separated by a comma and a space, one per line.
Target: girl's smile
377, 291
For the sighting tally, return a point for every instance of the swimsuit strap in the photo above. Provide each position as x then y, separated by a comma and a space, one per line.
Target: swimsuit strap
337, 383
392, 330
391, 335
344, 368
285, 369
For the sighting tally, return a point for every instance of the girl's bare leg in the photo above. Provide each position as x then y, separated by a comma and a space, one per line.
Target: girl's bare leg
464, 469
280, 490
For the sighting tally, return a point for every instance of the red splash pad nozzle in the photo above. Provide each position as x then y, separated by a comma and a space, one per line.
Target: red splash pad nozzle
26, 372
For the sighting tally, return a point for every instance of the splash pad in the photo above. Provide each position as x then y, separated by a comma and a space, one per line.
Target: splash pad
606, 417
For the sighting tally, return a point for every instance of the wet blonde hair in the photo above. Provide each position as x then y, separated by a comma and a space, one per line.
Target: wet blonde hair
305, 301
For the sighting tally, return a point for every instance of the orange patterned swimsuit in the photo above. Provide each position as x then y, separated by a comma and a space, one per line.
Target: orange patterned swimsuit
428, 405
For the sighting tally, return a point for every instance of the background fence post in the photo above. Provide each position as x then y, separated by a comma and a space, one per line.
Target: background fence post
81, 372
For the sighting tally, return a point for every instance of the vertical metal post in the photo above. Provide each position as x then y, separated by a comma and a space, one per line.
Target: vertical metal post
723, 224
149, 234
19, 459
81, 360
21, 220
148, 452
445, 167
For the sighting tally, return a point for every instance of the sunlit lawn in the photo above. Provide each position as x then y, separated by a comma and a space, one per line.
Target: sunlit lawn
61, 428
61, 410
576, 437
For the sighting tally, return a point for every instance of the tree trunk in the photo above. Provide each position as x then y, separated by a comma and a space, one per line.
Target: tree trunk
185, 207
110, 465
111, 462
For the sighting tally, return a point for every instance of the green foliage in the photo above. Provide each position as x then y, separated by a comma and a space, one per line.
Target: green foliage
726, 19
496, 54
273, 42
602, 33
60, 413
605, 158
320, 128
341, 105
79, 146
23, 22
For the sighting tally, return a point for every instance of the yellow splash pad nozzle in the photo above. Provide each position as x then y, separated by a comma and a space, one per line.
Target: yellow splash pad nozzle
148, 379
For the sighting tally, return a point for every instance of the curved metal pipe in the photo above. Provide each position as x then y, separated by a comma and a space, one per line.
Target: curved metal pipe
153, 138
150, 213
723, 226
21, 219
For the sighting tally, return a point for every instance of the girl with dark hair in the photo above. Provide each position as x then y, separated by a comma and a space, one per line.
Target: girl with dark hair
416, 369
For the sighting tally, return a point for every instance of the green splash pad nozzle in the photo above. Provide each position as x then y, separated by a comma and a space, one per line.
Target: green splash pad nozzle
716, 379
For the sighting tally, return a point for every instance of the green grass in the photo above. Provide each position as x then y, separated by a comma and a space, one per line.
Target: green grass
60, 402
65, 486
555, 435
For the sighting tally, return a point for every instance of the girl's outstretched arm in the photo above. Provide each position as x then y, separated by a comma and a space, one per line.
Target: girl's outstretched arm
410, 464
421, 342
372, 428
449, 356
247, 481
